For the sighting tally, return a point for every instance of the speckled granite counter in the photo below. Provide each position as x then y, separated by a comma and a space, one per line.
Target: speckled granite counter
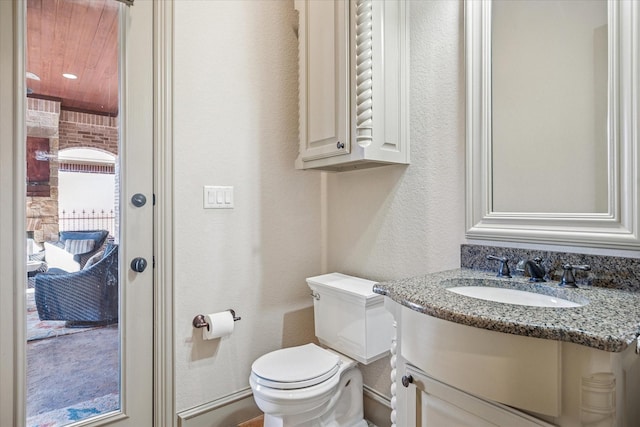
609, 321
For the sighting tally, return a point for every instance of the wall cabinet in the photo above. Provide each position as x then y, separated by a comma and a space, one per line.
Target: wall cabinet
353, 83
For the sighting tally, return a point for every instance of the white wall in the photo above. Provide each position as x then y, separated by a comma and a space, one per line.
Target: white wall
236, 124
79, 190
395, 221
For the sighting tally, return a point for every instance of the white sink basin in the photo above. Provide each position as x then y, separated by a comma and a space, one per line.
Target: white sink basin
513, 296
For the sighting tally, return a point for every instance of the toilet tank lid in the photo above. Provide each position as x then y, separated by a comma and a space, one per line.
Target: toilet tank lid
350, 284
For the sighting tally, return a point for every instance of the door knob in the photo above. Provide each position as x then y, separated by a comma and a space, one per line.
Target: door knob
138, 264
138, 200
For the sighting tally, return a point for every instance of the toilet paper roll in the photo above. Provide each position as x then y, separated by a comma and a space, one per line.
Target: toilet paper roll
220, 325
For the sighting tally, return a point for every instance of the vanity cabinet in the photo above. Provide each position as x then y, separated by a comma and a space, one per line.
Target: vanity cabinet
431, 403
353, 76
447, 373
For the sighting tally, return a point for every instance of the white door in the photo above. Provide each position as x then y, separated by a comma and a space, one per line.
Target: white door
134, 336
137, 222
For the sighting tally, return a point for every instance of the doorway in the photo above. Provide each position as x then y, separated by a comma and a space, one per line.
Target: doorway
135, 289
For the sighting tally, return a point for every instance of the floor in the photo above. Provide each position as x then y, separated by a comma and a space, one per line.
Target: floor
74, 368
65, 370
254, 422
259, 422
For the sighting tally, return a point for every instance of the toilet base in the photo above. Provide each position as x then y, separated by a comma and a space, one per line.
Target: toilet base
270, 421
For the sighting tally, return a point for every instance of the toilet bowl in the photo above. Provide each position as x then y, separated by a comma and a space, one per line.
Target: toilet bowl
308, 386
313, 386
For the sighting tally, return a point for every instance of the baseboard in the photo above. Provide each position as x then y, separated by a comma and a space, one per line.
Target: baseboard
238, 407
228, 411
377, 407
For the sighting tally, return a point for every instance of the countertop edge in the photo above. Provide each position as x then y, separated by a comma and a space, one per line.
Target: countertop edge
400, 292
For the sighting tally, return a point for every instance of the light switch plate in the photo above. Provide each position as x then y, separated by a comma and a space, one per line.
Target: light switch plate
218, 197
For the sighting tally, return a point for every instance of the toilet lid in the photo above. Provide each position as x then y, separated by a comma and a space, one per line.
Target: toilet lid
295, 367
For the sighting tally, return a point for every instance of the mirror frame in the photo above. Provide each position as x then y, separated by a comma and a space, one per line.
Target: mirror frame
619, 226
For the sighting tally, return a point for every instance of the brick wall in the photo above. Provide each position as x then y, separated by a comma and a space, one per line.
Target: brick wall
42, 118
70, 130
82, 130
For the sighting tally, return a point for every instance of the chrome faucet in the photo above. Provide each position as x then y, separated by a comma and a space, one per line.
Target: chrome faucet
534, 270
503, 270
568, 279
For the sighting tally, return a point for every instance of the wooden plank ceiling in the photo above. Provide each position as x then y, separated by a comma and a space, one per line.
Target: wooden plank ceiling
78, 37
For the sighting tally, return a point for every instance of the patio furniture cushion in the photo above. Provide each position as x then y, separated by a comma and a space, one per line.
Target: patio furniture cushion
79, 246
95, 258
57, 257
99, 236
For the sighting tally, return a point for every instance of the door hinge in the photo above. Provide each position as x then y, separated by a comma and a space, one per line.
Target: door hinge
153, 262
154, 199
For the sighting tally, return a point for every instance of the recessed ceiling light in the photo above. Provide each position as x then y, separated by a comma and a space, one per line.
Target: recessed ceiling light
32, 76
69, 76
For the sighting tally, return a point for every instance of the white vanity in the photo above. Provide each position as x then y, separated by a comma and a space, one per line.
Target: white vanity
463, 361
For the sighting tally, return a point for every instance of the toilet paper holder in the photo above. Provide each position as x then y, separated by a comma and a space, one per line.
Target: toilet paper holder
200, 322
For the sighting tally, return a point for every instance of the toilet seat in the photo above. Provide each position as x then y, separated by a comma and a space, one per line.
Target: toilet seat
295, 367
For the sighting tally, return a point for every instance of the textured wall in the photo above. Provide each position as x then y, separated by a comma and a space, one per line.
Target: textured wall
395, 221
236, 124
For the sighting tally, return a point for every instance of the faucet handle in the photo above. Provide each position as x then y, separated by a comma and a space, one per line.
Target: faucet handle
568, 279
503, 270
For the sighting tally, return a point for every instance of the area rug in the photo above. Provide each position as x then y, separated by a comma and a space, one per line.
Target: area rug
77, 412
39, 329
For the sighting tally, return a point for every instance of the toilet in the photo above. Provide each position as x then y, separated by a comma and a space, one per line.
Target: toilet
316, 386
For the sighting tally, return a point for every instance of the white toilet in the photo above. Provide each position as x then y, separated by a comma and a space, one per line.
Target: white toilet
316, 387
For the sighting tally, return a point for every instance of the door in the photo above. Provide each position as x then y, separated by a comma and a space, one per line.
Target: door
133, 235
323, 40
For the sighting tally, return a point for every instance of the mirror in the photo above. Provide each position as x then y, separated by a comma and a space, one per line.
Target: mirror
552, 126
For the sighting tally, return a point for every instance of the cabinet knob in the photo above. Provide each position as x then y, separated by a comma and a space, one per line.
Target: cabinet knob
340, 145
406, 380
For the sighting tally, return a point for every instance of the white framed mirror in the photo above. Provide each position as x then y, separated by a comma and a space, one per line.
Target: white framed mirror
552, 122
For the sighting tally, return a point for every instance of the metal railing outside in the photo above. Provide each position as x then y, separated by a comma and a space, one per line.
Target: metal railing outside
87, 219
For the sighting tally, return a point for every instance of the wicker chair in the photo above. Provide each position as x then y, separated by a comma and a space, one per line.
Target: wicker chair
84, 298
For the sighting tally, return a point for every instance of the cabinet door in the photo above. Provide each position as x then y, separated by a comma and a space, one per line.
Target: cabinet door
431, 403
323, 43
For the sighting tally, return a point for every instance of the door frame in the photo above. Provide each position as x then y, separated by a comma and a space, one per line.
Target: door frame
13, 223
164, 413
12, 215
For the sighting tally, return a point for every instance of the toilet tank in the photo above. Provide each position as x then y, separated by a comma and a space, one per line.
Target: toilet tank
350, 318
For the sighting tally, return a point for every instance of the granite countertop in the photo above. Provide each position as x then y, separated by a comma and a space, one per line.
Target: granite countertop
610, 320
